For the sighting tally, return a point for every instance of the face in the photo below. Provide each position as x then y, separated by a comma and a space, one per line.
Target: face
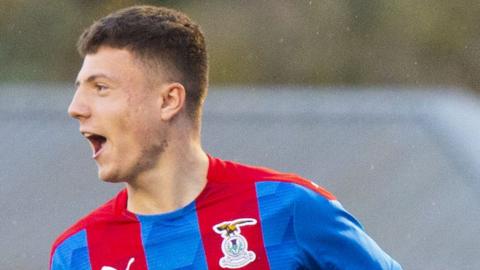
118, 112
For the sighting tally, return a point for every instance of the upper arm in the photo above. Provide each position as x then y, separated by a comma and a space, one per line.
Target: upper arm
56, 262
330, 238
71, 253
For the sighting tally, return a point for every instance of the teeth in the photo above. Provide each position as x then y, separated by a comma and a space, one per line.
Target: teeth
90, 135
97, 142
87, 135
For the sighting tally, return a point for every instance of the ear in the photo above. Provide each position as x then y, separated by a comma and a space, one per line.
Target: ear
173, 100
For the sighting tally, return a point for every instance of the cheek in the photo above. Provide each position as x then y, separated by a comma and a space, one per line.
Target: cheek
144, 116
139, 119
142, 127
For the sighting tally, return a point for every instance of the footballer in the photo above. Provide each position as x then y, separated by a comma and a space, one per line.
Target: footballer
138, 102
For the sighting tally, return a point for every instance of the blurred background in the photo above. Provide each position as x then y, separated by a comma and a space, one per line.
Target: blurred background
320, 42
375, 100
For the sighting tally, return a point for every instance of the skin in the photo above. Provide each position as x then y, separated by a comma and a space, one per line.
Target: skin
152, 146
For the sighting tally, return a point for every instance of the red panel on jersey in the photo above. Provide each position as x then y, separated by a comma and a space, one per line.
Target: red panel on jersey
116, 243
218, 204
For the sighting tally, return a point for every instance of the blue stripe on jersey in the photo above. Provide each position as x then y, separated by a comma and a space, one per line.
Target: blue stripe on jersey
326, 236
72, 254
172, 240
276, 213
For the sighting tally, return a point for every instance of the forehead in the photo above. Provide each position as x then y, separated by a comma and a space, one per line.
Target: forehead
116, 64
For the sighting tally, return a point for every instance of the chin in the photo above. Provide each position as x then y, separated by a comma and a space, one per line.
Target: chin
109, 177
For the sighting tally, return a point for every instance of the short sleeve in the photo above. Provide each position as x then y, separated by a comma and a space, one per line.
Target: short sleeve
330, 238
57, 262
71, 254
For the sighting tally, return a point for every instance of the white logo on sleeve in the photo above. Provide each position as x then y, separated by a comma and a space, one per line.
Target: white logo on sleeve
111, 268
234, 245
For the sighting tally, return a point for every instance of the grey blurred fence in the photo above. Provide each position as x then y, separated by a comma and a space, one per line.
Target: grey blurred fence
406, 163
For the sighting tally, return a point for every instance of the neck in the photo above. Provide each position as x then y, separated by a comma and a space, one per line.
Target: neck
178, 178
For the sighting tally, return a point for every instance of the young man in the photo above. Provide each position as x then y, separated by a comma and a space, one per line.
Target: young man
138, 101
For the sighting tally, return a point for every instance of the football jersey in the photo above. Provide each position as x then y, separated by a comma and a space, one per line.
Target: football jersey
245, 218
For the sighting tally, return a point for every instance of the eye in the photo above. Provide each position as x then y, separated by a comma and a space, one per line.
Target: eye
100, 87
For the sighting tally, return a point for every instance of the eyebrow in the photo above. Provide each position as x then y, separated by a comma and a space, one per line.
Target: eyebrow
92, 78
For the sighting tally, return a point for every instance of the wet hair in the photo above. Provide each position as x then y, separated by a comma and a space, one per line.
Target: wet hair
159, 37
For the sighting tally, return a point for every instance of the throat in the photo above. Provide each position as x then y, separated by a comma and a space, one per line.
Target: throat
158, 202
166, 192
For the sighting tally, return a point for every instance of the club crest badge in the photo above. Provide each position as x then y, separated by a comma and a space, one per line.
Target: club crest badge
234, 245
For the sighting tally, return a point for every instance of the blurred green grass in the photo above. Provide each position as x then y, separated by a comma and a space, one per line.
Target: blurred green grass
323, 42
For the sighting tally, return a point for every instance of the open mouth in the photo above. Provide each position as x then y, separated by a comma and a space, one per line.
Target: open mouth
97, 142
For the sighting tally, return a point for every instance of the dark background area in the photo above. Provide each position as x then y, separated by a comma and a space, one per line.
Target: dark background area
319, 42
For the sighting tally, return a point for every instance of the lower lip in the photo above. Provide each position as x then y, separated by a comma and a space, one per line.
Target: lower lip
97, 154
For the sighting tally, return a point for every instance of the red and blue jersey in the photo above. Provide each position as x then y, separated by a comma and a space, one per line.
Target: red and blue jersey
245, 218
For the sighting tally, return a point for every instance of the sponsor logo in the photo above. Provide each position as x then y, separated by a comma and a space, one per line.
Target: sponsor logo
234, 245
111, 268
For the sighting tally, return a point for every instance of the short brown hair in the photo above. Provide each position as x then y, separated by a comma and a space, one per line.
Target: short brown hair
163, 35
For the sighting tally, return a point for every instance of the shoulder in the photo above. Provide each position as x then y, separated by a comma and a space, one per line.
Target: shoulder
262, 176
77, 230
307, 214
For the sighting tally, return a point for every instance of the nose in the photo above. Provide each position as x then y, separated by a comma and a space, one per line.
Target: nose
78, 107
